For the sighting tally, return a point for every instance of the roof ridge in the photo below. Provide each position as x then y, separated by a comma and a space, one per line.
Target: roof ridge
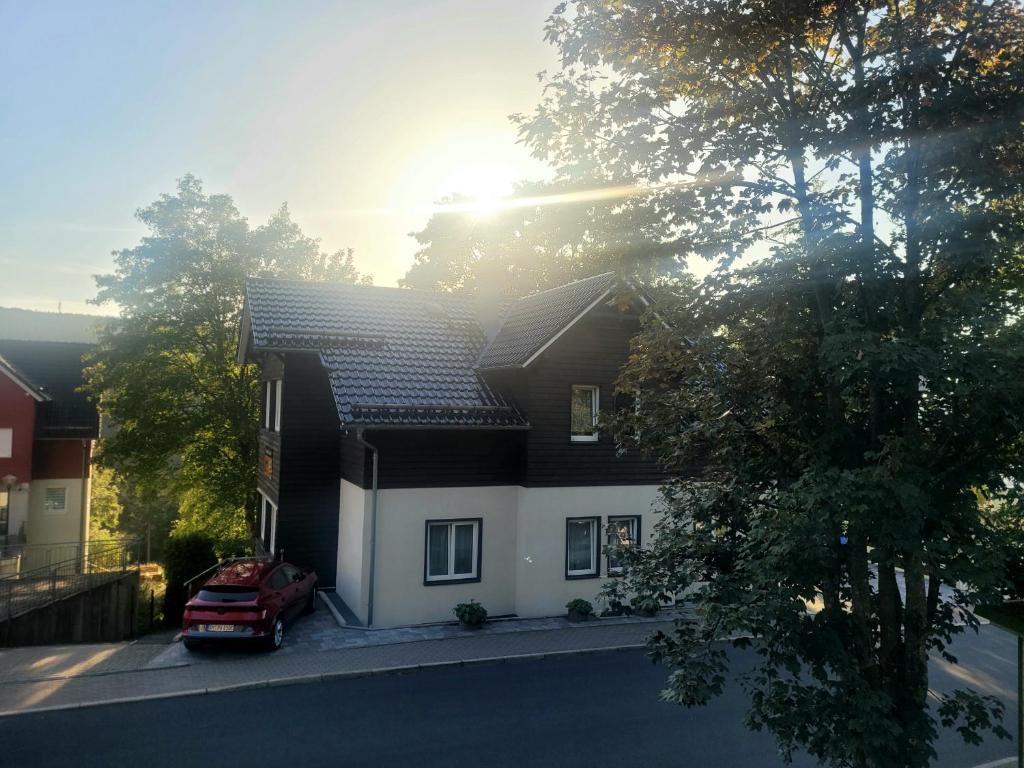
565, 285
418, 292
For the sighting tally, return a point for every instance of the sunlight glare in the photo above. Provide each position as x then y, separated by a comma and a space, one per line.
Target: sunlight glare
488, 186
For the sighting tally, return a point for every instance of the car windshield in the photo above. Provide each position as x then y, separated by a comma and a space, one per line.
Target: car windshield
226, 595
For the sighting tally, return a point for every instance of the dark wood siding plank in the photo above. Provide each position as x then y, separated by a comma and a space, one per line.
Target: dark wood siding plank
591, 352
307, 528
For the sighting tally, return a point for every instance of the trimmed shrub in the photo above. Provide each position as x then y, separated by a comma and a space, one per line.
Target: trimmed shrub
184, 557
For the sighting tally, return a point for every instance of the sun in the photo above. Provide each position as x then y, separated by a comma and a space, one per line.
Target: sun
487, 185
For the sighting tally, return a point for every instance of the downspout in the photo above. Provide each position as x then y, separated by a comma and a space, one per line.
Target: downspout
373, 524
84, 515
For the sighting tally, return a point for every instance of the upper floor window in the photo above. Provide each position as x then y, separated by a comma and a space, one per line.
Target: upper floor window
584, 411
6, 442
272, 405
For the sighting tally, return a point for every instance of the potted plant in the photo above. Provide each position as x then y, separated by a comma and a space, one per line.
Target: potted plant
579, 610
471, 615
645, 605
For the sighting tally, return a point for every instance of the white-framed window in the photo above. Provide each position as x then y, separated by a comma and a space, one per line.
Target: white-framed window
272, 405
452, 551
268, 521
584, 409
623, 532
581, 547
55, 499
6, 443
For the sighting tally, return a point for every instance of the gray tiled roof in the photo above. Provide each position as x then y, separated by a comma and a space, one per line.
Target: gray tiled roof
393, 356
411, 358
532, 321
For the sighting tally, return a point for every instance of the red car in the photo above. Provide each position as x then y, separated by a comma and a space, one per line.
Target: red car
248, 599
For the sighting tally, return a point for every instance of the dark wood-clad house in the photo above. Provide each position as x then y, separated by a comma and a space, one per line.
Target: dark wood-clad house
423, 449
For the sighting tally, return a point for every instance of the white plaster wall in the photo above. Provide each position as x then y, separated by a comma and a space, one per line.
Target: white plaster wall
541, 586
46, 527
400, 596
353, 548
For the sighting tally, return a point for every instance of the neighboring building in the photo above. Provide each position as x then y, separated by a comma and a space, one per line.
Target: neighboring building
47, 429
421, 449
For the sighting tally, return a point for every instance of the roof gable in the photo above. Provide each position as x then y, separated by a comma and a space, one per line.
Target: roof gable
20, 380
534, 322
54, 371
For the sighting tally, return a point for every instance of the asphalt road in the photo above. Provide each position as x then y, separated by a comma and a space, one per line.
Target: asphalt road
592, 710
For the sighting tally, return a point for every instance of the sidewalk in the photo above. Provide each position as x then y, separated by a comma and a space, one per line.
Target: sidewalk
36, 679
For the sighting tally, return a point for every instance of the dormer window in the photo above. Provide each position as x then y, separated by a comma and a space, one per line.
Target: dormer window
584, 410
272, 405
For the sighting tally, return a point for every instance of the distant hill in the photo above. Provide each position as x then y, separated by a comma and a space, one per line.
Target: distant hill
31, 325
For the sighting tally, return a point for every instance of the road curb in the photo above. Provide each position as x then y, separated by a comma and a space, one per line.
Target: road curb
324, 678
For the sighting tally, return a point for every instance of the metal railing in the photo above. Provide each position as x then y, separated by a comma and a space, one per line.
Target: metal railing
29, 557
91, 564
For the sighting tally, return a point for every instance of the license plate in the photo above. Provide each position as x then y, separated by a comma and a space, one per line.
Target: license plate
220, 627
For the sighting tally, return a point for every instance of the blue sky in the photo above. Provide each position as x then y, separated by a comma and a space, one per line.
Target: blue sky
358, 114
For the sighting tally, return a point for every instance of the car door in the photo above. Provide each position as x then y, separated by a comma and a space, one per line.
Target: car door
293, 590
278, 583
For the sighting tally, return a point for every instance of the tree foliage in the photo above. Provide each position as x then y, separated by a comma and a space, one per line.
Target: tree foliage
550, 235
104, 504
185, 412
827, 409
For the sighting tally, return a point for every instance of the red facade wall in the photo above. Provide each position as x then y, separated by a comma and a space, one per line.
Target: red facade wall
60, 459
17, 412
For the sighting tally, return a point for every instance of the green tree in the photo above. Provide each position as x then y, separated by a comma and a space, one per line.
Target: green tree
548, 235
165, 374
105, 506
826, 412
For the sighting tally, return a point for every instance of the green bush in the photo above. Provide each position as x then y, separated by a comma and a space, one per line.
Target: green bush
580, 607
184, 557
645, 605
471, 614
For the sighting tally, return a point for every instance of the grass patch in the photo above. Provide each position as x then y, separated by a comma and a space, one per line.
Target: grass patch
1008, 615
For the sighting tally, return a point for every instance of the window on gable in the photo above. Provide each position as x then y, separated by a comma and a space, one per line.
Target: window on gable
581, 547
6, 443
272, 405
55, 499
584, 412
623, 533
452, 551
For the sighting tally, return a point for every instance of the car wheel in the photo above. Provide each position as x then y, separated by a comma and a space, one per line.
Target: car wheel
311, 603
276, 636
190, 643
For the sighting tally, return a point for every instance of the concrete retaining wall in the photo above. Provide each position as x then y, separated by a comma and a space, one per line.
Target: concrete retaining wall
103, 613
